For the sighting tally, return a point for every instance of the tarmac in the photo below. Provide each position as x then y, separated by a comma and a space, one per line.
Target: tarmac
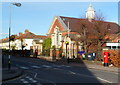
91, 65
16, 72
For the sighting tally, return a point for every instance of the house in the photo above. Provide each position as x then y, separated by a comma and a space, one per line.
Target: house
66, 31
25, 41
114, 42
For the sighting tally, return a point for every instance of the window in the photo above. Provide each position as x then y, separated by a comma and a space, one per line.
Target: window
118, 41
57, 35
113, 47
118, 47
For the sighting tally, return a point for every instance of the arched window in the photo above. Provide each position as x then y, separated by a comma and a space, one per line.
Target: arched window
56, 35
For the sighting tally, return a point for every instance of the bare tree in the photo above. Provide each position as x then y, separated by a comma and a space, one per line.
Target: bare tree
100, 35
99, 16
97, 36
84, 37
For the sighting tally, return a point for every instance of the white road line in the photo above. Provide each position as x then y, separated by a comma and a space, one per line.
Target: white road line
25, 81
30, 78
35, 75
22, 79
94, 77
36, 66
24, 67
104, 80
72, 72
27, 77
34, 81
116, 73
46, 66
66, 66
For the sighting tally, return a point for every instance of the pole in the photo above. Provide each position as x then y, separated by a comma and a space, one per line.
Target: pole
9, 58
69, 35
66, 50
73, 50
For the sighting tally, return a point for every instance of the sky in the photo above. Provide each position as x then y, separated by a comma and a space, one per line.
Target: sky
37, 16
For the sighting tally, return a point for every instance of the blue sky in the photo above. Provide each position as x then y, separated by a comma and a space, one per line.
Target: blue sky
38, 16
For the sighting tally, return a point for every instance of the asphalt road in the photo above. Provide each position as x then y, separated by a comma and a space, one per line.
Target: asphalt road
39, 72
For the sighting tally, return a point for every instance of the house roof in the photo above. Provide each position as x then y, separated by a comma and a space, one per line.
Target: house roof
114, 36
75, 24
28, 35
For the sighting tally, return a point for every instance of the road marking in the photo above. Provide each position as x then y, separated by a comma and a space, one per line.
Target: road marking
104, 80
24, 67
30, 78
72, 72
46, 66
27, 77
34, 81
35, 75
66, 66
116, 73
22, 79
25, 81
36, 66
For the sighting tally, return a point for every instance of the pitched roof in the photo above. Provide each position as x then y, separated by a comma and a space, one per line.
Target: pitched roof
76, 23
28, 35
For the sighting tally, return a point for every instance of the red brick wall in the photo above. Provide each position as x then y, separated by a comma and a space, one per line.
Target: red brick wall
116, 39
57, 53
56, 23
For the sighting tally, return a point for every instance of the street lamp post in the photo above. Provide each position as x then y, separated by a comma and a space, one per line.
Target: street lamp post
18, 5
66, 47
73, 50
68, 26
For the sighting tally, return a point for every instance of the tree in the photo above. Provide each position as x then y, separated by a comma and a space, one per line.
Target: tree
84, 39
100, 35
99, 16
46, 46
96, 36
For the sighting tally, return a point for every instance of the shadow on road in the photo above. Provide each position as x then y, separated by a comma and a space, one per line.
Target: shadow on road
72, 72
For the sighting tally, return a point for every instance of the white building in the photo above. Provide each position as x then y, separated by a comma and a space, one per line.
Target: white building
28, 40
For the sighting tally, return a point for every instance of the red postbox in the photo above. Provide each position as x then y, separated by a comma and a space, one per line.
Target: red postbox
106, 58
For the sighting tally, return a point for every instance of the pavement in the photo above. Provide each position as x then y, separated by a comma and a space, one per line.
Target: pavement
14, 72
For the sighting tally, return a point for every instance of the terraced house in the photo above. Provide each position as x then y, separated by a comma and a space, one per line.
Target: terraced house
24, 41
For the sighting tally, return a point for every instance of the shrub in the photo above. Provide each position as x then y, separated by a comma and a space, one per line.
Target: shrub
115, 57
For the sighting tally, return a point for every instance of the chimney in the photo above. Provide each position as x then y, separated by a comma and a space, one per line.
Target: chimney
20, 33
26, 31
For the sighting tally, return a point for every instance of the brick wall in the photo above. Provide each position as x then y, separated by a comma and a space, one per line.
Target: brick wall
114, 55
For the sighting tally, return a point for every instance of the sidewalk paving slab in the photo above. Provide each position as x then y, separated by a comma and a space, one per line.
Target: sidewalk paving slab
11, 74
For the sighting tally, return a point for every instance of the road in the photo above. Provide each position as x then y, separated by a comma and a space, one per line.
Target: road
39, 72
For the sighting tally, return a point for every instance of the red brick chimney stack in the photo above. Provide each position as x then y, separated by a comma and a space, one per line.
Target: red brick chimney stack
20, 33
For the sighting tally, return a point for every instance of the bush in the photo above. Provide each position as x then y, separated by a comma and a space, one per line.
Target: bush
115, 57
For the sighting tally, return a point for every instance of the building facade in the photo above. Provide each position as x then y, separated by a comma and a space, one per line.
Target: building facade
65, 32
25, 41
